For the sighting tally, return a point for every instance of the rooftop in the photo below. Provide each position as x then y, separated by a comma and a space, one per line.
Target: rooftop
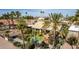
74, 28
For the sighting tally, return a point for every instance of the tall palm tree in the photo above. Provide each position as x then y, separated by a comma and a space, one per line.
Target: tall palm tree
22, 26
42, 12
12, 16
18, 14
77, 13
26, 13
55, 19
7, 17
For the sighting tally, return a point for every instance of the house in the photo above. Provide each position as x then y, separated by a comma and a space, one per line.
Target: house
41, 18
73, 31
30, 23
5, 22
65, 22
38, 25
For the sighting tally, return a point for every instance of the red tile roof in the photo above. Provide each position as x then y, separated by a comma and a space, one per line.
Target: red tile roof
5, 22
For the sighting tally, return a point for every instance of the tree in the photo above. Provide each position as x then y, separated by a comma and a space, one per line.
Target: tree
47, 18
29, 17
72, 41
22, 26
7, 17
26, 13
77, 13
55, 19
72, 19
18, 14
42, 12
12, 16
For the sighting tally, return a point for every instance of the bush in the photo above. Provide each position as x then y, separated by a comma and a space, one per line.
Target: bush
28, 17
18, 44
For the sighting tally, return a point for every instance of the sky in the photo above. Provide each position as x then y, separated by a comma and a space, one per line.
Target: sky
36, 12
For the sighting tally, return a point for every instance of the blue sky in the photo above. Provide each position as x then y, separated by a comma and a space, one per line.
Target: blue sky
36, 12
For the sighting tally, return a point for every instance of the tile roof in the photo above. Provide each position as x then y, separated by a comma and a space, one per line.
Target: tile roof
38, 25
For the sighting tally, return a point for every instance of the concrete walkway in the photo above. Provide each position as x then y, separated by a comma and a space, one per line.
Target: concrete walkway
4, 44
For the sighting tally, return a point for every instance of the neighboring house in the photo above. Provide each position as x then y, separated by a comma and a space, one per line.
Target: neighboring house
41, 18
5, 22
65, 22
38, 25
73, 31
30, 23
6, 44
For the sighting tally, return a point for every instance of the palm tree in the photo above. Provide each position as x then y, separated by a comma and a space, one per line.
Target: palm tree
18, 14
55, 19
12, 15
72, 19
26, 13
42, 12
75, 18
7, 17
72, 41
22, 26
77, 13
